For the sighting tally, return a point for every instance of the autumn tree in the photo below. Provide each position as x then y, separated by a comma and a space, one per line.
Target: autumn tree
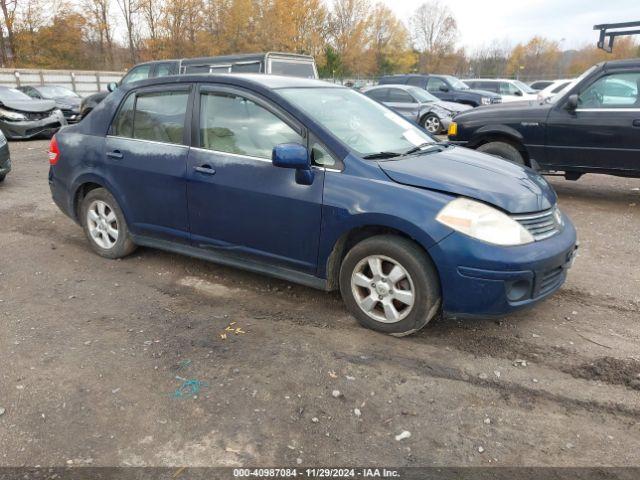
100, 29
389, 41
297, 26
348, 25
130, 10
8, 8
434, 30
537, 58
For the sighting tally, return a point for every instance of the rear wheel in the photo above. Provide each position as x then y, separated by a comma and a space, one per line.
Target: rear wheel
503, 150
2, 177
432, 123
105, 226
390, 285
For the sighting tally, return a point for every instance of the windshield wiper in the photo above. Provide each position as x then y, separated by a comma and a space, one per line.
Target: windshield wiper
420, 148
381, 155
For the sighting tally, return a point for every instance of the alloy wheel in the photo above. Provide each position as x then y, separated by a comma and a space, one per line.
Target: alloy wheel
432, 124
103, 224
383, 289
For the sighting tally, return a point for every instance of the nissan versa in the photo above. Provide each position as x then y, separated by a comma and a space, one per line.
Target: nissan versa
317, 184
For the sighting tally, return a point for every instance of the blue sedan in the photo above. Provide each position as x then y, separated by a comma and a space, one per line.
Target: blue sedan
316, 184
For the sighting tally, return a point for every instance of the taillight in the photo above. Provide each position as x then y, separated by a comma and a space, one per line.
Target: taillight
54, 151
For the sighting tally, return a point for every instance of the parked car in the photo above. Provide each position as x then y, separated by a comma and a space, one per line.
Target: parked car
540, 84
22, 117
555, 88
5, 158
66, 99
592, 127
272, 63
418, 105
314, 183
509, 90
445, 87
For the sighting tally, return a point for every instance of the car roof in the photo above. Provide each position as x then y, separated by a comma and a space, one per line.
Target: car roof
627, 63
401, 86
272, 82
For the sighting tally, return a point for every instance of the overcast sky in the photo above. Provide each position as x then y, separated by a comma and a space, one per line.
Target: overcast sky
483, 21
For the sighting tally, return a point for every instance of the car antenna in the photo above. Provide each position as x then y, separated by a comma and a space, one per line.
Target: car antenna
612, 30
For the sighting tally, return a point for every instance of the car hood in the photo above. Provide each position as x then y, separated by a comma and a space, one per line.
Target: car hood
29, 105
476, 175
70, 101
450, 106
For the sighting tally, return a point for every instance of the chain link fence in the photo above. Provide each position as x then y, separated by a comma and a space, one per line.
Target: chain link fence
80, 81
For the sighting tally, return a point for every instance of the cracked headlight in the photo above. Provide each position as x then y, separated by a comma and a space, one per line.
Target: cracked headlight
480, 221
11, 115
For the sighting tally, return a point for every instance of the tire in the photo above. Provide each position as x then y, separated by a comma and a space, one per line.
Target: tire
432, 124
104, 225
357, 280
503, 150
2, 177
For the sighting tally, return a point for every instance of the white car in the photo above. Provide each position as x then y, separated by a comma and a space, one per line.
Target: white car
509, 90
556, 87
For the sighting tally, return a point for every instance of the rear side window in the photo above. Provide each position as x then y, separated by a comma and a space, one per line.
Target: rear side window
379, 94
235, 124
164, 69
246, 67
157, 116
399, 96
197, 69
416, 82
293, 69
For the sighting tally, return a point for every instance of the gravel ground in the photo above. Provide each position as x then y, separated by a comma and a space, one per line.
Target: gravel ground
94, 353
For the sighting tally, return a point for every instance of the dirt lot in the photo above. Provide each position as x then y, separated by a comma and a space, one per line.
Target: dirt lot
93, 354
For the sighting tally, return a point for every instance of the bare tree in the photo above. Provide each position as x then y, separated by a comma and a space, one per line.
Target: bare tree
9, 14
130, 9
101, 27
434, 31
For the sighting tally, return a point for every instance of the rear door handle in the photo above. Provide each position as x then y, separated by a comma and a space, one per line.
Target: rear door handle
117, 154
206, 169
636, 122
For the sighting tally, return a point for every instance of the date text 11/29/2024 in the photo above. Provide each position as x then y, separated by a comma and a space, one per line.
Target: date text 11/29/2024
315, 473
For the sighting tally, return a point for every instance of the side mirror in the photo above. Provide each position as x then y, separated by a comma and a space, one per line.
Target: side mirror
296, 156
443, 88
111, 86
572, 102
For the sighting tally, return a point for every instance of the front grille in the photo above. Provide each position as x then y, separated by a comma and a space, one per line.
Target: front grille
541, 225
37, 115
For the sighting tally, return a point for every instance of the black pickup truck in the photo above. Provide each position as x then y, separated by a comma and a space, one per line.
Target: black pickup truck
593, 126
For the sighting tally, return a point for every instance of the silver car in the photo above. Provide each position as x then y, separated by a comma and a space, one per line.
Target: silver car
418, 105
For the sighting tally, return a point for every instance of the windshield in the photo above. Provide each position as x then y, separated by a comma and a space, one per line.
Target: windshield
524, 87
13, 94
361, 123
562, 93
54, 91
293, 69
456, 83
422, 95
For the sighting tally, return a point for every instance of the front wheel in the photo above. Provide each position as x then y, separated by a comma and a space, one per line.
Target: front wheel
105, 226
390, 285
432, 123
503, 150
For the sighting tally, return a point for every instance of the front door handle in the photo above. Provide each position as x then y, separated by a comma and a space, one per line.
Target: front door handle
117, 154
636, 122
206, 169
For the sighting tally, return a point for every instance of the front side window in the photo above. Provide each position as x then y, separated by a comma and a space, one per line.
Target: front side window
507, 88
137, 73
618, 90
157, 116
436, 84
234, 124
361, 123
